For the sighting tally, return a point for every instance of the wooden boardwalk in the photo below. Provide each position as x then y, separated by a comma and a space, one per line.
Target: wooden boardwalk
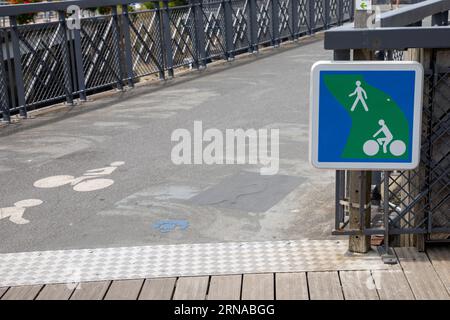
418, 276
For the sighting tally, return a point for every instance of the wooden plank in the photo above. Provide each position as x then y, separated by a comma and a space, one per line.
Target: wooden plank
124, 289
291, 286
324, 286
423, 280
392, 285
358, 285
158, 289
258, 287
191, 288
60, 291
22, 293
225, 287
440, 259
95, 290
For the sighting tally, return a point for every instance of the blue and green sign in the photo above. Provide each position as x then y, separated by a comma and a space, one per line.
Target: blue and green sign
365, 115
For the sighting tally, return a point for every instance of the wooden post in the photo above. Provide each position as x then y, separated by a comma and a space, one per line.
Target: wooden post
359, 188
360, 181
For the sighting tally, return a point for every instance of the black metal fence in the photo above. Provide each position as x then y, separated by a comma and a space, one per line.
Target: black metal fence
44, 63
415, 204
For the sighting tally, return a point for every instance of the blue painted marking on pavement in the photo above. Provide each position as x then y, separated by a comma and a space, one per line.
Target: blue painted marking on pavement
165, 226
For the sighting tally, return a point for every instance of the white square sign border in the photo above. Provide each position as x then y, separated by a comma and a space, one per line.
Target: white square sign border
364, 66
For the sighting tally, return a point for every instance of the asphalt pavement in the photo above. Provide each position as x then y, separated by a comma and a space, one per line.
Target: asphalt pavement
102, 175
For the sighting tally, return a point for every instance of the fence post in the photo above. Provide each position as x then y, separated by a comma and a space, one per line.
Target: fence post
160, 40
295, 18
326, 13
311, 16
253, 26
387, 254
67, 79
228, 17
117, 40
352, 10
79, 63
4, 102
18, 67
127, 44
339, 195
340, 5
199, 32
167, 37
275, 22
340, 174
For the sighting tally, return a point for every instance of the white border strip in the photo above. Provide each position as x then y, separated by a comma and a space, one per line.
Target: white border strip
73, 266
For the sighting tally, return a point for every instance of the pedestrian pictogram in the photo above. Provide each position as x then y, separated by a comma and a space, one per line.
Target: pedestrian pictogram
361, 96
366, 115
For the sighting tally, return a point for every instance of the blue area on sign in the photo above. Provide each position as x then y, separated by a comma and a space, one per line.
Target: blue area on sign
335, 121
165, 226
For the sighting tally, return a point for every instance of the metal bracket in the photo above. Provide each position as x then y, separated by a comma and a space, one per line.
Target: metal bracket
354, 204
388, 257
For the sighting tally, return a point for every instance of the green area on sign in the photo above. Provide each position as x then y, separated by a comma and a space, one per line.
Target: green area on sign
379, 127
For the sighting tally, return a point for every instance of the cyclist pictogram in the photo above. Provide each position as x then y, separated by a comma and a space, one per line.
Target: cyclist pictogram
372, 147
15, 213
89, 181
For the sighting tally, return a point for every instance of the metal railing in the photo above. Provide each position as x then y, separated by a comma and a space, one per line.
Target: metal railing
4, 21
44, 63
414, 202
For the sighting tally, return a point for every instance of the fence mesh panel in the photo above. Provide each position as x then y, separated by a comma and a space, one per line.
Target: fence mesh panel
346, 9
146, 44
44, 61
284, 18
264, 20
302, 14
435, 160
319, 14
419, 199
241, 24
183, 36
333, 15
214, 27
100, 52
4, 80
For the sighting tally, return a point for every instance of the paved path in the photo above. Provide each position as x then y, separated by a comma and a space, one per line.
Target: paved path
153, 201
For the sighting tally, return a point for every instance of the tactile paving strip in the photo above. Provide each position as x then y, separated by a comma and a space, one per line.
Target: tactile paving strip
67, 266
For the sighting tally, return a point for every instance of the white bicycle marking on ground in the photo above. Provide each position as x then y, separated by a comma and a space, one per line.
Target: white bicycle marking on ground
361, 96
372, 147
89, 181
15, 213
